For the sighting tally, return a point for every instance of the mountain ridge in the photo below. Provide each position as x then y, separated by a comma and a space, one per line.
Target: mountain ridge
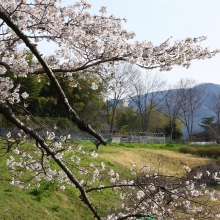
203, 111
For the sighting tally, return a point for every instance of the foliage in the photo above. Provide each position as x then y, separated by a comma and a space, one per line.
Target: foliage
126, 119
186, 150
206, 122
157, 121
176, 131
209, 151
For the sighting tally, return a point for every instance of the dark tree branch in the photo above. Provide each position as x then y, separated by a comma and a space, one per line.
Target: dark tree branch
7, 112
82, 125
84, 67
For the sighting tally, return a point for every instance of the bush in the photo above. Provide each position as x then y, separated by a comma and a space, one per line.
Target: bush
38, 193
169, 145
186, 150
211, 152
43, 190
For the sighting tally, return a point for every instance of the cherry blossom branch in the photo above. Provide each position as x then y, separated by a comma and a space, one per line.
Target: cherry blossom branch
83, 67
5, 65
138, 215
6, 111
82, 125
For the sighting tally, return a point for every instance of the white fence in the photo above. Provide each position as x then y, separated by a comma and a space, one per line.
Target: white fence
135, 138
202, 143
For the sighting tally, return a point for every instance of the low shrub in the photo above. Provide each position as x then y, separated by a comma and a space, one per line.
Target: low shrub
50, 186
186, 150
169, 145
211, 152
55, 208
8, 190
43, 190
38, 193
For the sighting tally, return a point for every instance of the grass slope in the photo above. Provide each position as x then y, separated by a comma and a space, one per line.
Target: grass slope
54, 204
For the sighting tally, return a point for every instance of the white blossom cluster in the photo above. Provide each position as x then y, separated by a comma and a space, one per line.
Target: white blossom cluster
163, 202
85, 41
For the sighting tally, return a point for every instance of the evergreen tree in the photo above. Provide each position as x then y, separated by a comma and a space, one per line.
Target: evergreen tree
206, 122
177, 132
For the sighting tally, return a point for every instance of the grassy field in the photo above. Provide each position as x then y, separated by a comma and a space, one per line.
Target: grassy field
49, 203
164, 157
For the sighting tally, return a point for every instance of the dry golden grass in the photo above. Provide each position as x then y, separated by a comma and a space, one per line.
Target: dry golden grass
168, 162
165, 162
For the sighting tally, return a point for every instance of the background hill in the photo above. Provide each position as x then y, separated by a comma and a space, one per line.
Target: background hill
203, 111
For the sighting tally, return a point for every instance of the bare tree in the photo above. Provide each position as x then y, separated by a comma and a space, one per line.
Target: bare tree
193, 97
119, 86
214, 105
146, 95
170, 107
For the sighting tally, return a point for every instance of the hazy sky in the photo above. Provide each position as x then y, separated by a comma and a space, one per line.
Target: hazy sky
157, 20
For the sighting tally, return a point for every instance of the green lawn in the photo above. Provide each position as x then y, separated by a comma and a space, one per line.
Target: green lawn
48, 202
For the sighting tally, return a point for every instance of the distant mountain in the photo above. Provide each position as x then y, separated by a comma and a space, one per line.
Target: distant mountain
204, 111
211, 87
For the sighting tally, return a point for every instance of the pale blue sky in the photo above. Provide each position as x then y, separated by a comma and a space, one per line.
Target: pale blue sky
157, 20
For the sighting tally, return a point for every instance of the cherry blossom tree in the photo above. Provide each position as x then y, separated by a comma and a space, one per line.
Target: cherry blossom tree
86, 44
